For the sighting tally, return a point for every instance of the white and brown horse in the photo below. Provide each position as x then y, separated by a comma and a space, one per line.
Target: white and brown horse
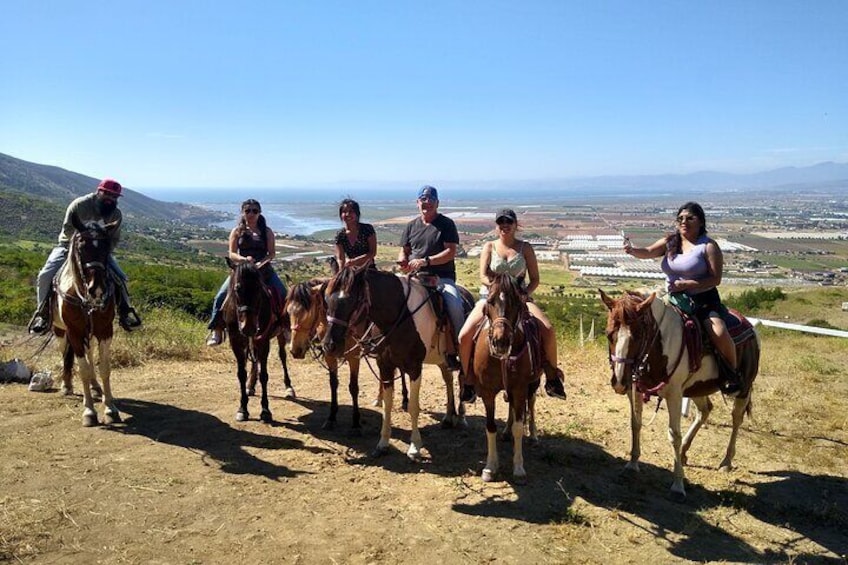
649, 355
84, 310
507, 357
402, 332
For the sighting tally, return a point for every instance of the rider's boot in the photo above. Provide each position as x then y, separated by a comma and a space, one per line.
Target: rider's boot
128, 318
554, 381
732, 383
216, 335
40, 322
467, 393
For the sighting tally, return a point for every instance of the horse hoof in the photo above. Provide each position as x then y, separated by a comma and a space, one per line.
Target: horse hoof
89, 420
112, 418
725, 468
67, 391
376, 403
266, 416
487, 475
380, 451
414, 454
328, 425
288, 393
241, 416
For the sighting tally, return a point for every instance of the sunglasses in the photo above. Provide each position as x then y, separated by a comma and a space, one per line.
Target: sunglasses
681, 219
252, 210
505, 221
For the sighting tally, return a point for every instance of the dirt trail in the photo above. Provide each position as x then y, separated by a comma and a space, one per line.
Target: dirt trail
181, 482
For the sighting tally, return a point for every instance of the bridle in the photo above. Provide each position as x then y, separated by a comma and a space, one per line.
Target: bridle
82, 297
262, 332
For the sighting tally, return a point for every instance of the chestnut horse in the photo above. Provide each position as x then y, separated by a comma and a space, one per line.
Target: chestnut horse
649, 355
402, 332
84, 308
507, 356
254, 316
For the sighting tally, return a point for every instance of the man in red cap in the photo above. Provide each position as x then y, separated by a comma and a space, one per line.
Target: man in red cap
100, 206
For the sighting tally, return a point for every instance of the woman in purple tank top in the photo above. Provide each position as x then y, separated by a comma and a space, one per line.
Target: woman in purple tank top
693, 265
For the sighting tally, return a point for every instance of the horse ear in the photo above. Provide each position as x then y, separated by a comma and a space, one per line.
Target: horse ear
647, 302
317, 288
334, 264
608, 302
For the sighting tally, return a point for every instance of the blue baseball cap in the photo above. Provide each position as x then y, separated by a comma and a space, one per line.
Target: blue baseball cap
428, 191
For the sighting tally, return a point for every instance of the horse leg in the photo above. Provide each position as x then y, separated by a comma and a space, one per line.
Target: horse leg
674, 405
67, 367
635, 400
353, 388
404, 393
506, 431
111, 415
531, 416
288, 389
252, 378
704, 407
333, 367
517, 403
263, 352
491, 468
241, 373
740, 405
86, 369
415, 443
387, 390
453, 418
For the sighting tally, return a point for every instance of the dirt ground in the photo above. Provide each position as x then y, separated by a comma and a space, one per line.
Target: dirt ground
181, 482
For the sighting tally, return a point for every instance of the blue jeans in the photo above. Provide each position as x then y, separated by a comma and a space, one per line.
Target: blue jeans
54, 263
453, 303
218, 301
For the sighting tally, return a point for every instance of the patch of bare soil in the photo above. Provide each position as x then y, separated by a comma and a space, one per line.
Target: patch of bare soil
181, 482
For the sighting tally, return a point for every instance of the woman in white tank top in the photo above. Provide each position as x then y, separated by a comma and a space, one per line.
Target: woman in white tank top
508, 254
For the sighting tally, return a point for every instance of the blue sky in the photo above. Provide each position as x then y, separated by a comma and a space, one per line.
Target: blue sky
296, 93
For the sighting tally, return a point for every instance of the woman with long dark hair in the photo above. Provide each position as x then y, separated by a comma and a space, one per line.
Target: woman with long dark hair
693, 264
250, 241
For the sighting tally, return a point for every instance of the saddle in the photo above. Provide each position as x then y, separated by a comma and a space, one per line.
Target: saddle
432, 283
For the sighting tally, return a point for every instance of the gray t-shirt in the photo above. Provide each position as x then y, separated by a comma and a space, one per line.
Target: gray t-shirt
429, 239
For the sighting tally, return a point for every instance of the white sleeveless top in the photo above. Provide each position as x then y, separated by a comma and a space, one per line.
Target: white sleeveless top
515, 266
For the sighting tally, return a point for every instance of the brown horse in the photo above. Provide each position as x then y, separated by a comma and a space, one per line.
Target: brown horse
84, 308
508, 357
253, 318
307, 311
402, 331
649, 355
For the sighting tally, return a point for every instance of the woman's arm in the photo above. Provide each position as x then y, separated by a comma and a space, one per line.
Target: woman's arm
485, 259
233, 249
341, 257
532, 267
656, 249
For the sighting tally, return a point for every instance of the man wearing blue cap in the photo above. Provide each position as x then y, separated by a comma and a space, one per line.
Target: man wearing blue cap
429, 243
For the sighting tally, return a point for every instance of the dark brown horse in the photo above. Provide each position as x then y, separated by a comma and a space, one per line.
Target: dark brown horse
253, 318
649, 355
402, 332
508, 357
84, 309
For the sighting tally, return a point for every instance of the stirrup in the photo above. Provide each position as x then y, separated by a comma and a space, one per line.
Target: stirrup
468, 394
129, 320
39, 325
216, 337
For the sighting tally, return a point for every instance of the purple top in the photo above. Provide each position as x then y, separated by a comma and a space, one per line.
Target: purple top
691, 265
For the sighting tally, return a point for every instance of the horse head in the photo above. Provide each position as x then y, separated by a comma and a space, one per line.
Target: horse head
248, 293
305, 307
630, 330
347, 302
90, 249
505, 310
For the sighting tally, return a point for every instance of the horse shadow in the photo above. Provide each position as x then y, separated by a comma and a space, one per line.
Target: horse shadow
562, 468
814, 506
204, 433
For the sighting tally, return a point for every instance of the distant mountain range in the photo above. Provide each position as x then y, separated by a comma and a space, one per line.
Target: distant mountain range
21, 180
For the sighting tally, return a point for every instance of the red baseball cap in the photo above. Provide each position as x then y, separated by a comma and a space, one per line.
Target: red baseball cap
111, 186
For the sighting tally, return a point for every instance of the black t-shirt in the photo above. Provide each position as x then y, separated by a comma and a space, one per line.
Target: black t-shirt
360, 246
430, 239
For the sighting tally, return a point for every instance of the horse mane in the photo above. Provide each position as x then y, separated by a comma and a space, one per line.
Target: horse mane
506, 284
345, 279
301, 294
